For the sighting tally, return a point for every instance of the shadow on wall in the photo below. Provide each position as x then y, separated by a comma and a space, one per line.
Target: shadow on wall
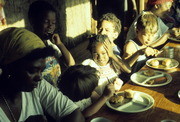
74, 18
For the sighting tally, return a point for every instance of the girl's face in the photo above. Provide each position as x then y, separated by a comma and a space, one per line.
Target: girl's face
48, 24
146, 38
29, 74
100, 55
107, 28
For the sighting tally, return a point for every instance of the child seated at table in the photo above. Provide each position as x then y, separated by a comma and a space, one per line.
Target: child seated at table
110, 25
78, 83
105, 61
137, 49
42, 17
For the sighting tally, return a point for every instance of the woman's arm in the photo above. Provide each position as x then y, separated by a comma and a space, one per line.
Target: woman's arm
75, 116
67, 55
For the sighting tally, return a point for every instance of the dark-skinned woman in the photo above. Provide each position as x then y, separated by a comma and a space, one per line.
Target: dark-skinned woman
24, 95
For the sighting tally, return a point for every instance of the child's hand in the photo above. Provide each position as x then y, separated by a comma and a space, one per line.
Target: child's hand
109, 48
56, 39
175, 33
118, 84
109, 91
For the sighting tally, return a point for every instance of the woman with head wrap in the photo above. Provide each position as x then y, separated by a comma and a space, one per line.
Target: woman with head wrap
24, 95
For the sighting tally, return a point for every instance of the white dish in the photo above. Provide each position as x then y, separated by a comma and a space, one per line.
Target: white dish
139, 103
100, 119
173, 64
175, 39
140, 79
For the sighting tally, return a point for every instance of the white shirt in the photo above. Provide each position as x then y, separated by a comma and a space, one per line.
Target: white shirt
46, 97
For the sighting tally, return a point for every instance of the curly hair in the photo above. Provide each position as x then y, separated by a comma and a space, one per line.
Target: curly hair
111, 18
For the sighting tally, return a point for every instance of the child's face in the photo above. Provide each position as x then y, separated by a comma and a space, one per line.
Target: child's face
100, 55
165, 8
48, 24
107, 28
146, 38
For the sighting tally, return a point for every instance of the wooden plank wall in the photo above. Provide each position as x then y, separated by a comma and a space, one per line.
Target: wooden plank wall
74, 18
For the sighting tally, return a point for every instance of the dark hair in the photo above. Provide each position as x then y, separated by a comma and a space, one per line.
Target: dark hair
95, 39
78, 82
35, 54
37, 10
111, 18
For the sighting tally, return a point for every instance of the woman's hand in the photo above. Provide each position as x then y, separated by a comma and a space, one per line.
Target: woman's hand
56, 39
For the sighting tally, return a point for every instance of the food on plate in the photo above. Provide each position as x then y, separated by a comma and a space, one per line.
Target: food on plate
129, 93
166, 62
154, 63
157, 81
149, 73
121, 98
117, 99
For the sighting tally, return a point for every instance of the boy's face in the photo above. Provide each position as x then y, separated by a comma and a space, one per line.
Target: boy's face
48, 24
146, 38
165, 8
100, 55
107, 28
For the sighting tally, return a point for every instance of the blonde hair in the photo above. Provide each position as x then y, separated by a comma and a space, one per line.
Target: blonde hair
147, 22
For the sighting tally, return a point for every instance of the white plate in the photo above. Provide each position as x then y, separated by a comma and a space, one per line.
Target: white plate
175, 39
174, 63
140, 102
140, 79
100, 119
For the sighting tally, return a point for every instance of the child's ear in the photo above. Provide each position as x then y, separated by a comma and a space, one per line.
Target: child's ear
115, 35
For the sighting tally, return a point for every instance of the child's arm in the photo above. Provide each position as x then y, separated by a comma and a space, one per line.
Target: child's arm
97, 104
160, 41
124, 66
131, 54
68, 57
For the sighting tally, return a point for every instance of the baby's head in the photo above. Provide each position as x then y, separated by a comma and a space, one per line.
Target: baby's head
109, 25
147, 27
78, 82
98, 50
42, 17
160, 7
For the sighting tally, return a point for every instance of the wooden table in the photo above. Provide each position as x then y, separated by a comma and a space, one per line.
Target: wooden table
167, 103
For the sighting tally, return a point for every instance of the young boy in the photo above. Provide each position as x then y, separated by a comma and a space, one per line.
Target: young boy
138, 49
110, 25
42, 17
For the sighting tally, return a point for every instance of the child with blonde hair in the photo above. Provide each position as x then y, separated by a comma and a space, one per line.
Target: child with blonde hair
138, 49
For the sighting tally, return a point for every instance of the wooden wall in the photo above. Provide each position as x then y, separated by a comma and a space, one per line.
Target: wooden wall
74, 18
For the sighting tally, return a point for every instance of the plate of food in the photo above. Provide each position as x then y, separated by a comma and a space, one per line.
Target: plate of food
151, 78
162, 63
130, 101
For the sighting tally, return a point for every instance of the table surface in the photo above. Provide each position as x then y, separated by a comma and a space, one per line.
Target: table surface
166, 105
